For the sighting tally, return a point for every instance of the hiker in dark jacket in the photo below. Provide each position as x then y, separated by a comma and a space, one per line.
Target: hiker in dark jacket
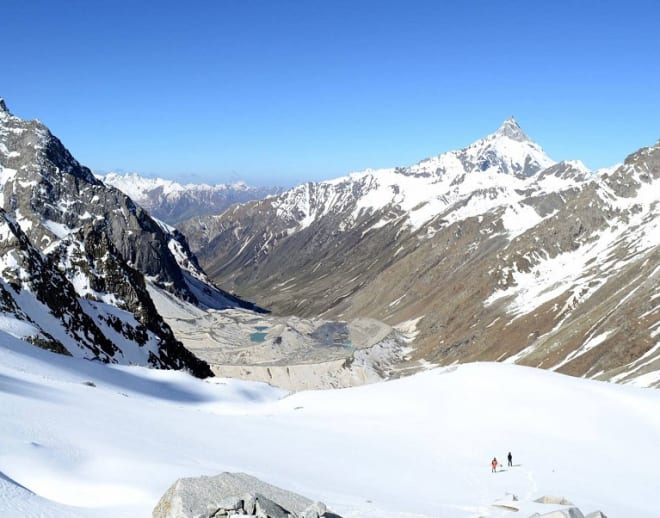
510, 458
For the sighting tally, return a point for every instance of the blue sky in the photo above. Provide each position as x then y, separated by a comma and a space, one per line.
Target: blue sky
280, 92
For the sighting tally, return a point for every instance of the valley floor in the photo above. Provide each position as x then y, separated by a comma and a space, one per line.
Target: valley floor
288, 352
80, 439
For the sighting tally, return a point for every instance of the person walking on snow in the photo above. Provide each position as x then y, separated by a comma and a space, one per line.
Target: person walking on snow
494, 464
510, 459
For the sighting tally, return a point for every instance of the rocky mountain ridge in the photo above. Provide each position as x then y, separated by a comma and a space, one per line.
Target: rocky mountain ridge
77, 256
494, 251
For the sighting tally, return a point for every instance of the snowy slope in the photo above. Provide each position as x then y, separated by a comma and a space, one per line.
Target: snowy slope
83, 439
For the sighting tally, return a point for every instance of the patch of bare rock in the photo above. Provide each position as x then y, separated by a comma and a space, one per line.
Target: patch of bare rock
570, 511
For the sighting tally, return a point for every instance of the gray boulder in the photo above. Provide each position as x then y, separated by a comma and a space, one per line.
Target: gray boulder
249, 503
316, 510
596, 514
266, 508
230, 504
229, 494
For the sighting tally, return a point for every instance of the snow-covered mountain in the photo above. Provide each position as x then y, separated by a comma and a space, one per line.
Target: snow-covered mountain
77, 256
495, 251
173, 202
415, 194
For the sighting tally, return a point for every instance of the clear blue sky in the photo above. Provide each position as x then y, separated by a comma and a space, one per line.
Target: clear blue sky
277, 92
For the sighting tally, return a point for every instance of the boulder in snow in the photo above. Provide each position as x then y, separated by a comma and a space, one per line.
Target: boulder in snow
234, 493
316, 510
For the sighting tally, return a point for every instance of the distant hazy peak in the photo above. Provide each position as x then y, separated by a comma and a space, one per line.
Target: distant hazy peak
144, 183
510, 128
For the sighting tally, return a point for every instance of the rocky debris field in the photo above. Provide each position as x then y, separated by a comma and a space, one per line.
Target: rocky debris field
289, 352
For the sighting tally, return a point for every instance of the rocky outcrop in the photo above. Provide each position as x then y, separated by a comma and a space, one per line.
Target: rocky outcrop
54, 197
551, 507
230, 494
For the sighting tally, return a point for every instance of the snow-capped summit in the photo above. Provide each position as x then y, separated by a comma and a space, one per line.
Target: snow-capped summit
3, 106
508, 150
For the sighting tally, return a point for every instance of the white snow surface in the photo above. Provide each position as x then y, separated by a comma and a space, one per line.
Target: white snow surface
16, 327
81, 439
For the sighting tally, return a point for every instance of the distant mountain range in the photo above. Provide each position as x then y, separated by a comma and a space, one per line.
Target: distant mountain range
173, 202
78, 259
491, 252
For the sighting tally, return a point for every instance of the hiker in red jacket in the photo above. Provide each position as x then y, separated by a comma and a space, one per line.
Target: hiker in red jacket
494, 464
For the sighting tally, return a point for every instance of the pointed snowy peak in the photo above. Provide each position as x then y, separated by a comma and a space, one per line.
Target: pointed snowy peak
510, 128
507, 151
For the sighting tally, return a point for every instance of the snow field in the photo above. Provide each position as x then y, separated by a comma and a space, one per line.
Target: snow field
92, 440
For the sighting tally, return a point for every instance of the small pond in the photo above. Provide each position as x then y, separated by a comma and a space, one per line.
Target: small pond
258, 337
